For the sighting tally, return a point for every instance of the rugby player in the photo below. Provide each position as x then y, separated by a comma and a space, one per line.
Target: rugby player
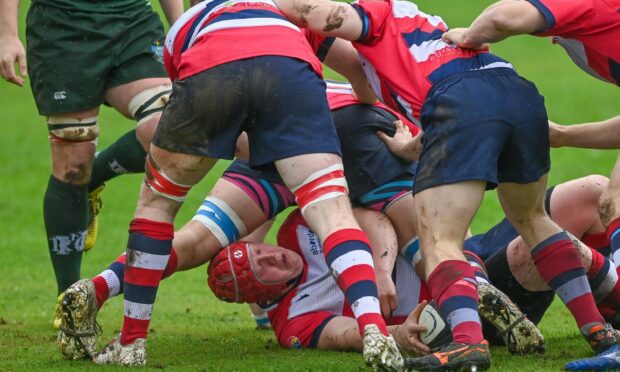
589, 31
249, 198
473, 139
80, 55
313, 312
241, 66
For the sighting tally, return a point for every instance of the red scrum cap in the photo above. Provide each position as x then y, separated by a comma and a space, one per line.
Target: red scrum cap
232, 278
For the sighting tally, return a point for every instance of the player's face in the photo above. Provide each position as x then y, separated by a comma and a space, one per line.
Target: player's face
274, 265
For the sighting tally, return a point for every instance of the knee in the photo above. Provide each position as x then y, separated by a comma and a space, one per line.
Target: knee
592, 187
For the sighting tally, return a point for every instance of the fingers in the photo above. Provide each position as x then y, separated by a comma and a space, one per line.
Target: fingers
7, 70
386, 310
414, 316
23, 69
393, 303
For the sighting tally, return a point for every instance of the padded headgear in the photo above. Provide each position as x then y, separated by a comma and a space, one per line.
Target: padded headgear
232, 278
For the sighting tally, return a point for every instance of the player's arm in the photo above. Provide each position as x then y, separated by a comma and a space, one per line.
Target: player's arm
342, 333
11, 48
324, 17
173, 9
498, 22
343, 59
597, 135
384, 245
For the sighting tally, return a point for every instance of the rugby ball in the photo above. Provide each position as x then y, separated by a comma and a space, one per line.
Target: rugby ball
437, 332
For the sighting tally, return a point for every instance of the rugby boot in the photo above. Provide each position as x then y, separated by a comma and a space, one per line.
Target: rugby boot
126, 355
607, 360
94, 206
453, 357
602, 337
58, 311
519, 333
380, 351
79, 328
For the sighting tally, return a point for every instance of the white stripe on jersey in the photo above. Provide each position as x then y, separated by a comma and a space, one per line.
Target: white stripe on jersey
187, 16
495, 65
371, 76
183, 19
427, 48
243, 23
404, 9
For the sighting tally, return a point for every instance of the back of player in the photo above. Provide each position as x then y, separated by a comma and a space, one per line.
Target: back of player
588, 30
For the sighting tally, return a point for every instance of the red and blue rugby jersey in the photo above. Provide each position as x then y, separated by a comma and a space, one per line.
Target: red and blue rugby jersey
589, 30
219, 31
340, 94
403, 55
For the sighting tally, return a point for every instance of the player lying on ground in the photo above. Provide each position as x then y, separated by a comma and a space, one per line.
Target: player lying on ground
313, 312
80, 55
473, 139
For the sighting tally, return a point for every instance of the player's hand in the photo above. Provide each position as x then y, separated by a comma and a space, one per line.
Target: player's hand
407, 335
12, 52
556, 134
403, 144
456, 36
387, 294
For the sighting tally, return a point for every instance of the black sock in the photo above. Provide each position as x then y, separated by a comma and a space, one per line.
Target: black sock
126, 155
65, 212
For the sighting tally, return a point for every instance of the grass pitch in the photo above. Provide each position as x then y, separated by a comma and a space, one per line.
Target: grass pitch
190, 328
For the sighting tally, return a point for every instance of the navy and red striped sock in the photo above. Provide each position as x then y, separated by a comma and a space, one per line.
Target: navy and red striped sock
349, 257
109, 283
148, 251
454, 288
560, 264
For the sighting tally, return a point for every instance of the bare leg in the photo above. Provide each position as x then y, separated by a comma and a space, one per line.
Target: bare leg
555, 255
442, 228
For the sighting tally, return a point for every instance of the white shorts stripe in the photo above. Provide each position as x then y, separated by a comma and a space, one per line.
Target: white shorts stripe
138, 311
145, 260
351, 259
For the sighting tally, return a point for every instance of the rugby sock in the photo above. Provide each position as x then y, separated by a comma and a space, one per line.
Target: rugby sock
126, 155
478, 266
65, 212
454, 288
148, 252
598, 241
604, 283
349, 258
411, 251
110, 282
560, 264
613, 235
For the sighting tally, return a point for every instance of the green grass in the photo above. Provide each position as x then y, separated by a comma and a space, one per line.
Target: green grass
190, 329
